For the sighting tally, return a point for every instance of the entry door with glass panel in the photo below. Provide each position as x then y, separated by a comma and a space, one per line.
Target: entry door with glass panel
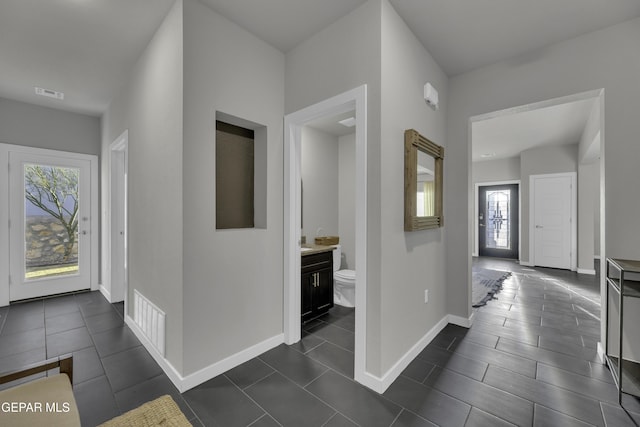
498, 219
50, 227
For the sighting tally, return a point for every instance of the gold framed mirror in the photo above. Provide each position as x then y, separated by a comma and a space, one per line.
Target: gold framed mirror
423, 162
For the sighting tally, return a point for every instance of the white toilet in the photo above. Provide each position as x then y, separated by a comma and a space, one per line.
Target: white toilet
344, 282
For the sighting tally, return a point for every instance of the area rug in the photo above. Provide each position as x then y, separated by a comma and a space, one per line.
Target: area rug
485, 283
160, 412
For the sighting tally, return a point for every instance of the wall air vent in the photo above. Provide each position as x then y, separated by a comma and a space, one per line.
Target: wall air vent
49, 93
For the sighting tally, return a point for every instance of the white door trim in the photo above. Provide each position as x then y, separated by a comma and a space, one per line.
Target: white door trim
5, 149
115, 201
476, 195
574, 216
293, 123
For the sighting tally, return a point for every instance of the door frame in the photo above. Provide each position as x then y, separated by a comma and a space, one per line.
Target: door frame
574, 216
476, 198
5, 149
355, 99
115, 199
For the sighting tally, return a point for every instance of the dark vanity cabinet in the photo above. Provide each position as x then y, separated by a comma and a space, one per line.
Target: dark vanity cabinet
317, 284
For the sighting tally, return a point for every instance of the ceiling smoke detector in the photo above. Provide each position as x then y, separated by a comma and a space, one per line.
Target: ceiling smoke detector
49, 93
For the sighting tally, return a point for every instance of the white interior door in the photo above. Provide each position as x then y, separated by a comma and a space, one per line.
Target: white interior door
552, 223
50, 225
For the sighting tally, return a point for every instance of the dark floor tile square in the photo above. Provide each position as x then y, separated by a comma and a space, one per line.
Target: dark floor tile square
98, 306
334, 357
21, 318
496, 357
89, 297
335, 335
339, 420
130, 367
353, 400
292, 364
565, 401
454, 362
418, 370
478, 418
104, 321
268, 421
489, 399
115, 340
249, 373
68, 341
21, 342
581, 384
616, 416
427, 402
86, 365
146, 391
95, 401
18, 361
288, 403
63, 322
407, 419
60, 305
307, 343
548, 417
218, 402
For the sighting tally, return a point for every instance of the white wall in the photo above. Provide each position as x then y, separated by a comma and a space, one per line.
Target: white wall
496, 170
588, 205
35, 126
347, 200
150, 107
411, 261
232, 278
319, 170
339, 58
602, 59
540, 161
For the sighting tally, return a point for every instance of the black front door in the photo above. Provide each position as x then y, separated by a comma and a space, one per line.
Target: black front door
498, 218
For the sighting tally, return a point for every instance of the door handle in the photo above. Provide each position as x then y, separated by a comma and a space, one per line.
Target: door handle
481, 225
539, 226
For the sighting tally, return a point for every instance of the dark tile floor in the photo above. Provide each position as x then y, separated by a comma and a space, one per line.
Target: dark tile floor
529, 360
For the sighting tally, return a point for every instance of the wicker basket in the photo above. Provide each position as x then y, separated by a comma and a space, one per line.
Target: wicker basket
327, 240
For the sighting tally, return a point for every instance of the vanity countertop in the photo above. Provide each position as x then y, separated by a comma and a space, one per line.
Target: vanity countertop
309, 249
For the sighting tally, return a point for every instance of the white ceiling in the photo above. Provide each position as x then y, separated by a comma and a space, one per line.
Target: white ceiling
85, 48
507, 135
332, 126
462, 35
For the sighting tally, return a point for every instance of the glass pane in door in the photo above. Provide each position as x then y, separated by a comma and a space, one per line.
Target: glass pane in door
51, 221
498, 219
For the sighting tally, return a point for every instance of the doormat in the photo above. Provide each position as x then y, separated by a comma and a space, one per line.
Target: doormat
485, 283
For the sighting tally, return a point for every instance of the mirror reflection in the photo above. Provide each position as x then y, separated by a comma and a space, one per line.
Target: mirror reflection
425, 194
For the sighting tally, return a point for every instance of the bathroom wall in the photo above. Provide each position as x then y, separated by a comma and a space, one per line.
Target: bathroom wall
320, 177
347, 200
150, 107
233, 278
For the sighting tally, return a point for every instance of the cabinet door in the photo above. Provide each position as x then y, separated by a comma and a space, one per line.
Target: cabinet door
306, 297
323, 296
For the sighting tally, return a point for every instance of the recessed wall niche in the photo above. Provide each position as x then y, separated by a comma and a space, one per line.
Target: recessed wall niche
241, 173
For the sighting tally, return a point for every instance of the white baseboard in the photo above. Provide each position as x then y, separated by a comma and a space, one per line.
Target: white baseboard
461, 321
600, 351
525, 263
380, 384
222, 366
596, 257
105, 292
184, 383
587, 271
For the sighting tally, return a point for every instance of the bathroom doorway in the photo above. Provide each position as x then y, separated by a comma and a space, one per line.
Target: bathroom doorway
353, 100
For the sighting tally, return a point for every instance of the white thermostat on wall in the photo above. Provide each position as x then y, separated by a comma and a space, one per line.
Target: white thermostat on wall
431, 96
